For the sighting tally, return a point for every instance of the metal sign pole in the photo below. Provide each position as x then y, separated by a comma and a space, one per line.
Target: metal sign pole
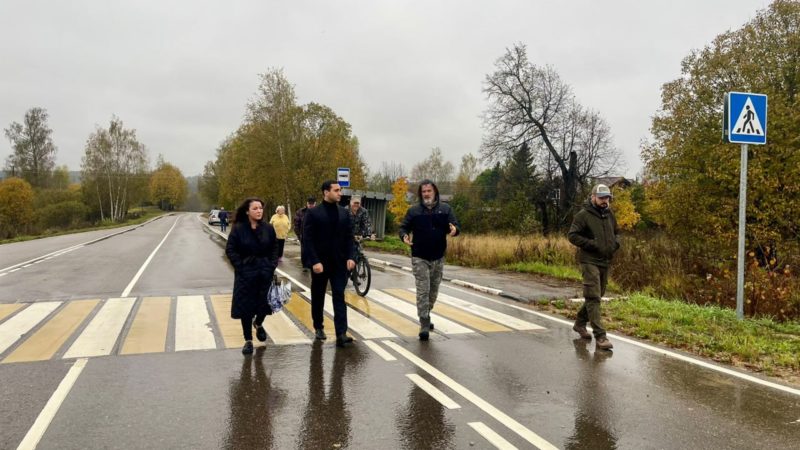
740, 258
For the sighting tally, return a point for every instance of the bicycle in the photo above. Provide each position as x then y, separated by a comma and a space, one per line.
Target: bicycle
362, 274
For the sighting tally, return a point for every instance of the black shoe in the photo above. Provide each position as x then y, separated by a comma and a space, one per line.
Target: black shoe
343, 340
431, 325
424, 335
261, 333
319, 334
248, 348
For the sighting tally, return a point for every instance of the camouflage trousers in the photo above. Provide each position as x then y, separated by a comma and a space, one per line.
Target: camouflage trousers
428, 276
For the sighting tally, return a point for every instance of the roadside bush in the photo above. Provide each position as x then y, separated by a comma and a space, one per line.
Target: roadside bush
64, 215
16, 207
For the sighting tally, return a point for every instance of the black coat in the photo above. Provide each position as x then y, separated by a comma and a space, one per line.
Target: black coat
430, 228
254, 255
328, 243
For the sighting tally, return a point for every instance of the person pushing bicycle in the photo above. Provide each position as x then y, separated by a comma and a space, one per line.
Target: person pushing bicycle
359, 217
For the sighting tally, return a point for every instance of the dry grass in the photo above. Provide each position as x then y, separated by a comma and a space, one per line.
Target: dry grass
495, 250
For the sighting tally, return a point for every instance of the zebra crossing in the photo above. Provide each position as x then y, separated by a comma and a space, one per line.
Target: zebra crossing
137, 325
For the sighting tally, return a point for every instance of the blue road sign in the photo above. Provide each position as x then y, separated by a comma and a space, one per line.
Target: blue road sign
343, 176
746, 118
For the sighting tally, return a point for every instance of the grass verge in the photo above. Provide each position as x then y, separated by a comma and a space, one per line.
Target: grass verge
143, 215
759, 344
389, 244
555, 271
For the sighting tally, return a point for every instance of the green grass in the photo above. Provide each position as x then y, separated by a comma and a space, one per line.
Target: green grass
145, 215
555, 271
760, 344
389, 244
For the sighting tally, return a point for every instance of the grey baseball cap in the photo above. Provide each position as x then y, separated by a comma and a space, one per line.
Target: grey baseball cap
601, 190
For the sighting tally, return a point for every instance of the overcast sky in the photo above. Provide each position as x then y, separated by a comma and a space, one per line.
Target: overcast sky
407, 75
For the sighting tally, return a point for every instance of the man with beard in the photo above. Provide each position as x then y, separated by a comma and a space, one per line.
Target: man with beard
425, 228
594, 232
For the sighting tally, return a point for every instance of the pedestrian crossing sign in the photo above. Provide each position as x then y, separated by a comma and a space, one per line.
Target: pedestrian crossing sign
745, 118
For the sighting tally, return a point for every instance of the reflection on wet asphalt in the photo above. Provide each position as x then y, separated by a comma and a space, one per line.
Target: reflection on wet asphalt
592, 415
253, 403
422, 423
326, 418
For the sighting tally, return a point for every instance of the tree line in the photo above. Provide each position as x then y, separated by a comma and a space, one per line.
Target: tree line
36, 196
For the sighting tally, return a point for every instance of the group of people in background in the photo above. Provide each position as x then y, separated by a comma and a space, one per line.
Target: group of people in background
326, 234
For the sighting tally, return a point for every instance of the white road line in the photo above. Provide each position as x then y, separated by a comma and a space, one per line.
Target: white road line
101, 334
14, 328
652, 348
433, 391
283, 331
35, 433
147, 261
490, 435
27, 265
13, 270
500, 416
3, 274
380, 351
505, 319
366, 328
45, 256
444, 325
193, 324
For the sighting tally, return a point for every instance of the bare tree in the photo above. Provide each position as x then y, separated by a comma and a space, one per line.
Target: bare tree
384, 178
530, 104
433, 168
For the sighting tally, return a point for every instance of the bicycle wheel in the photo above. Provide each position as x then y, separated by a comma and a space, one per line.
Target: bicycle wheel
363, 273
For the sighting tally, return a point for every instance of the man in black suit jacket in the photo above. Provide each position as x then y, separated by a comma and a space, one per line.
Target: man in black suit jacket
328, 248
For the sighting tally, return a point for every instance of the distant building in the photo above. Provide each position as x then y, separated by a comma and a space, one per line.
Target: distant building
611, 182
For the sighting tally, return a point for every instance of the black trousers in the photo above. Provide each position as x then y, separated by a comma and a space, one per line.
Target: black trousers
247, 325
281, 243
319, 283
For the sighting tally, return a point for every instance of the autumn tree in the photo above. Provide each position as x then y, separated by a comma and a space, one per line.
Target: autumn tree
624, 209
33, 151
531, 104
693, 177
168, 187
16, 206
284, 151
399, 205
114, 170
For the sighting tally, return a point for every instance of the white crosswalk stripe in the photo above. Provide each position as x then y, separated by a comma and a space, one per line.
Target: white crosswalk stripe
24, 321
193, 324
101, 334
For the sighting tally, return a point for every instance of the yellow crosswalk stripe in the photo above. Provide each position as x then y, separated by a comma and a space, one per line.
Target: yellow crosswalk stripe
230, 329
8, 309
148, 333
393, 320
55, 332
452, 313
301, 310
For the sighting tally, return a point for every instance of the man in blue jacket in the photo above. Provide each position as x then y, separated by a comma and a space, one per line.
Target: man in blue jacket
425, 228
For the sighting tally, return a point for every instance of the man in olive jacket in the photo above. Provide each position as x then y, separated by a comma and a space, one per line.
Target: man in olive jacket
594, 232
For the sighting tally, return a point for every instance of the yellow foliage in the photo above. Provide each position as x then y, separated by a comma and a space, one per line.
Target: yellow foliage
168, 186
624, 210
16, 206
399, 205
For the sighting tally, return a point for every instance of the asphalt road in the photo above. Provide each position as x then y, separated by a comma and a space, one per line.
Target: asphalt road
494, 374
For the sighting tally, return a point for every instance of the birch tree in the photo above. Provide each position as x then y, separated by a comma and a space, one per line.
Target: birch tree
114, 170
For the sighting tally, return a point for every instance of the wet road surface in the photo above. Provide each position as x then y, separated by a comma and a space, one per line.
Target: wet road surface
493, 374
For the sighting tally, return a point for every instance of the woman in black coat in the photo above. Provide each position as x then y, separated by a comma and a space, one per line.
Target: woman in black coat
253, 250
